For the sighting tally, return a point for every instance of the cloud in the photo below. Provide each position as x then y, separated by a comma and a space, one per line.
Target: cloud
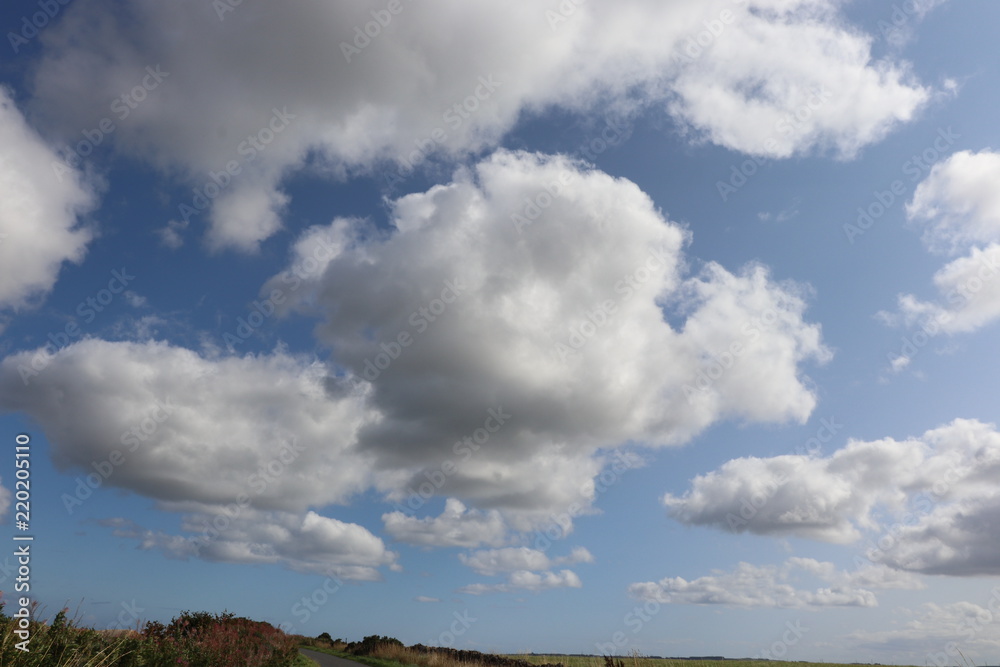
472, 356
763, 77
424, 598
243, 446
774, 586
959, 209
937, 632
486, 341
494, 561
523, 580
39, 211
194, 428
306, 542
525, 569
957, 203
456, 526
933, 498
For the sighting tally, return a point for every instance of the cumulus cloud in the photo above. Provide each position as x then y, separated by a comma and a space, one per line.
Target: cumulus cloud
481, 352
39, 211
489, 562
193, 428
958, 207
200, 434
763, 77
523, 580
306, 542
930, 631
775, 586
957, 203
487, 340
932, 498
456, 526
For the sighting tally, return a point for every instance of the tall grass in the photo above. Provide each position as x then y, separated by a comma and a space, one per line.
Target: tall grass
190, 640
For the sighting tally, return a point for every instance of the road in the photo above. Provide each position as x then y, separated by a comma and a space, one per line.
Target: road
327, 660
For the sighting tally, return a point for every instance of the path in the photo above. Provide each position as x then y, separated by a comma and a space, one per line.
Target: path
327, 660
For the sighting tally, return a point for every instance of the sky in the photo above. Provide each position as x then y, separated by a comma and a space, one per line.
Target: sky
579, 326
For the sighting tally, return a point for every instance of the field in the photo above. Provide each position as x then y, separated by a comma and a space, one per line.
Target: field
639, 661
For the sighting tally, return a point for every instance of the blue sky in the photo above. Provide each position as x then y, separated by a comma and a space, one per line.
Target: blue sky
586, 328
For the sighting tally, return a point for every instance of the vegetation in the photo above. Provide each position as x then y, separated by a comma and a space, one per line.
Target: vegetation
201, 639
190, 640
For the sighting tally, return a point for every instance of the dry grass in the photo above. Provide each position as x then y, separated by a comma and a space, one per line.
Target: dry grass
408, 656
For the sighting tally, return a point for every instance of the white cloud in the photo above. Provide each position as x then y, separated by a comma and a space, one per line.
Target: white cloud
936, 632
305, 542
491, 317
39, 211
775, 586
958, 202
494, 561
193, 428
933, 499
449, 80
424, 598
959, 208
456, 526
523, 580
498, 399
200, 433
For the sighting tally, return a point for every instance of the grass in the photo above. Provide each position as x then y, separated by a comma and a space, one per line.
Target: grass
302, 661
190, 640
642, 661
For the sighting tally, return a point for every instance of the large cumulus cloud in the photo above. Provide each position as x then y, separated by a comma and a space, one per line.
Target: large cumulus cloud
537, 342
765, 77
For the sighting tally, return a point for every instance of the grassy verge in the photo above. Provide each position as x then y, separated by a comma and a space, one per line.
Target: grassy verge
371, 661
302, 661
